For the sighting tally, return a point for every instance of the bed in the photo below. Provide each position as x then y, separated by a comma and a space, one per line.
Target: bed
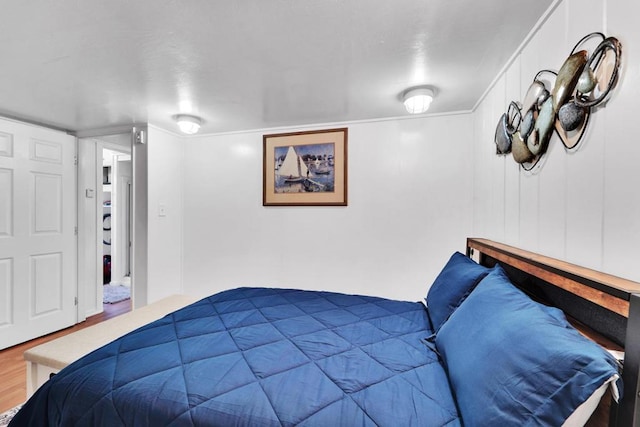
488, 347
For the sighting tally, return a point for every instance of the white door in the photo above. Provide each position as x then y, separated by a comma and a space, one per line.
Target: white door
121, 261
38, 253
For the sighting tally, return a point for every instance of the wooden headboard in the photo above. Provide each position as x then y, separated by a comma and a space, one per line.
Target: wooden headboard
604, 307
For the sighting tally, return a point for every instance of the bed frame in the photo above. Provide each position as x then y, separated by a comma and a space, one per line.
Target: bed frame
606, 308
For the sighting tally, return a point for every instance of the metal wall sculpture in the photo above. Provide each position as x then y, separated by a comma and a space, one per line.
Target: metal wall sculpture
560, 102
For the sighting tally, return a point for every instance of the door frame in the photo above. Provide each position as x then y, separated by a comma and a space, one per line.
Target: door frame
89, 225
139, 223
120, 217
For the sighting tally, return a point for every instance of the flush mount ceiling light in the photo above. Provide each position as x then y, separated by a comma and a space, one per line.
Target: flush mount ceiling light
188, 124
417, 100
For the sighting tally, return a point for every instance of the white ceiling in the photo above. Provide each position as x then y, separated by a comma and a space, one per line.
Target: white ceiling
248, 64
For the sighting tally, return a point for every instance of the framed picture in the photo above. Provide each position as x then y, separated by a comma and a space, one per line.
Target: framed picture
305, 168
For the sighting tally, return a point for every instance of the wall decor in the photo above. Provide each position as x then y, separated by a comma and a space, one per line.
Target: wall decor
560, 102
305, 168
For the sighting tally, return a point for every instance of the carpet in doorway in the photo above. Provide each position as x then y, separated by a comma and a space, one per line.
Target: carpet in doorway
6, 417
112, 294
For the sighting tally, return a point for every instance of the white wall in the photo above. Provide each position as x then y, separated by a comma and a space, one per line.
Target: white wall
165, 187
583, 206
410, 200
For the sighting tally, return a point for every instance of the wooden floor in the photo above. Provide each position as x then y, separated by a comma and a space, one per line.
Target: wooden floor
13, 373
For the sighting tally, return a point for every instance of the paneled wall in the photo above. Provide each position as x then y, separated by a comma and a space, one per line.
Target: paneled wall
581, 206
410, 200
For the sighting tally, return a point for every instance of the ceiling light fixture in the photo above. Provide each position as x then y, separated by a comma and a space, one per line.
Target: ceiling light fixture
417, 100
188, 124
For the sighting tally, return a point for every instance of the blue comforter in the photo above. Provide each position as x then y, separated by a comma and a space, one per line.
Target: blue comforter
259, 357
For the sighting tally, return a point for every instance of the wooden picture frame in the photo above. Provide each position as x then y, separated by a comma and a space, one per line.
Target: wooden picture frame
305, 168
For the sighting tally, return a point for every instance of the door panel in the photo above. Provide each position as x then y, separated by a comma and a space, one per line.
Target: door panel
6, 144
6, 196
47, 203
38, 253
46, 151
6, 273
46, 283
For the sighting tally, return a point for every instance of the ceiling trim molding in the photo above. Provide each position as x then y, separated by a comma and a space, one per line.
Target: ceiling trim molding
22, 120
314, 126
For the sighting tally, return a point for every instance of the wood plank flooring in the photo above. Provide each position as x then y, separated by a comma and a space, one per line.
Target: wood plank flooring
13, 372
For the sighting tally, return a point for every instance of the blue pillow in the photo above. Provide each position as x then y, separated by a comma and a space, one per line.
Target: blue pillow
512, 361
456, 280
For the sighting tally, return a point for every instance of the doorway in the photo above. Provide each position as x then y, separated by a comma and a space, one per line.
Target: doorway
116, 225
105, 183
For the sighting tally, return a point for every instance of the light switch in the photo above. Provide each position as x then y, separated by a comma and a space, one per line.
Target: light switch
162, 209
89, 193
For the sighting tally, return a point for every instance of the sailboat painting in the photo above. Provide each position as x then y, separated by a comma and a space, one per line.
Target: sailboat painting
293, 168
305, 168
